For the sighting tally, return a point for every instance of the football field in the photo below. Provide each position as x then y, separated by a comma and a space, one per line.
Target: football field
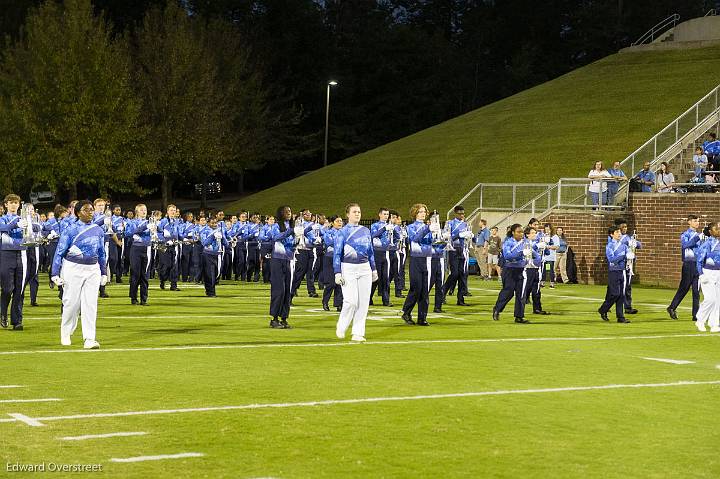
191, 387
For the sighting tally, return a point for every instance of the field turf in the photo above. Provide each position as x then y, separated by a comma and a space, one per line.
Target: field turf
566, 396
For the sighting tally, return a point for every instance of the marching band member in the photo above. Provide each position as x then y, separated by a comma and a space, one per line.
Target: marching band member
690, 241
421, 250
240, 232
282, 266
266, 247
214, 242
105, 223
305, 258
633, 244
13, 264
51, 231
331, 286
140, 255
383, 235
708, 268
117, 245
185, 234
80, 266
33, 259
393, 253
354, 267
402, 250
252, 268
197, 251
461, 236
168, 257
437, 274
532, 272
617, 253
516, 253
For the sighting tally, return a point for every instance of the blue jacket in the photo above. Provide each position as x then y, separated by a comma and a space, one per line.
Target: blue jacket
11, 236
689, 243
49, 226
211, 245
283, 243
66, 222
420, 239
512, 251
168, 230
138, 230
329, 235
712, 147
456, 227
81, 243
380, 236
252, 233
353, 244
615, 252
708, 255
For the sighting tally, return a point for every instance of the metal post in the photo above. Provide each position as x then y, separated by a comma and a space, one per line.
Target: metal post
655, 148
481, 197
327, 121
513, 196
676, 129
716, 98
558, 193
697, 114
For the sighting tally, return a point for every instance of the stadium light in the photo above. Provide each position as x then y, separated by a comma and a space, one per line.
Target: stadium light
327, 120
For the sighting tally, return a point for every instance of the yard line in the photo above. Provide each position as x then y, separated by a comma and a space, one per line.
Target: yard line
330, 402
3, 401
670, 361
27, 420
101, 436
9, 386
157, 458
350, 344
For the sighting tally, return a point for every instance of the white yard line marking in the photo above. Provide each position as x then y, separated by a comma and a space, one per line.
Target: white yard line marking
101, 436
3, 401
27, 420
334, 344
9, 386
330, 402
670, 361
157, 458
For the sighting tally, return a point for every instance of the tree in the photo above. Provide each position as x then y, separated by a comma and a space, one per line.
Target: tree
72, 116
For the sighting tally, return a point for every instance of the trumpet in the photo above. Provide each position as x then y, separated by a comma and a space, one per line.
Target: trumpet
437, 236
29, 236
154, 238
301, 239
629, 265
447, 236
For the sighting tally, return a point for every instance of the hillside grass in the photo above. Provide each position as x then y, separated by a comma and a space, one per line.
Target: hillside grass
602, 111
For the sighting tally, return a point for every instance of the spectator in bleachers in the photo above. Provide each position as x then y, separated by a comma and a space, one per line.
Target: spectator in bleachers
598, 189
618, 175
711, 148
700, 160
665, 179
646, 178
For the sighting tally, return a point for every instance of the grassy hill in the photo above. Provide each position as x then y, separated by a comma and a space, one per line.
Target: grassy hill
599, 112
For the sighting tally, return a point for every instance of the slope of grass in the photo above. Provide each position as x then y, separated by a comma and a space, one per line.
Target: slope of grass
664, 431
600, 112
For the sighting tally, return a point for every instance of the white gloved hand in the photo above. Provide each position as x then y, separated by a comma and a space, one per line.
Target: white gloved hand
467, 234
447, 236
633, 243
374, 276
57, 280
702, 236
339, 279
704, 279
527, 252
630, 255
22, 223
107, 222
218, 235
434, 227
299, 231
389, 227
542, 245
103, 280
53, 234
152, 228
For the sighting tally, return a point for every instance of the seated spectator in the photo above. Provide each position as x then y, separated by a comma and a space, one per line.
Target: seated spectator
646, 178
711, 148
613, 186
665, 179
599, 186
700, 160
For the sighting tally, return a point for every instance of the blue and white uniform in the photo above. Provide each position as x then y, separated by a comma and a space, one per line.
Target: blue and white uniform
140, 258
305, 261
282, 266
421, 252
382, 240
460, 234
689, 244
168, 260
616, 253
354, 259
707, 263
329, 235
214, 243
13, 269
513, 276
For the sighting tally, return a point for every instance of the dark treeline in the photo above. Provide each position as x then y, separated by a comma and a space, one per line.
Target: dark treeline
238, 86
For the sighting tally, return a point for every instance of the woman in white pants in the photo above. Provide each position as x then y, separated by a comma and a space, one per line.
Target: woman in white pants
708, 265
79, 266
354, 267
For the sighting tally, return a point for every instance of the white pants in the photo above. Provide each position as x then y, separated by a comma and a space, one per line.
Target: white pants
356, 298
80, 295
709, 311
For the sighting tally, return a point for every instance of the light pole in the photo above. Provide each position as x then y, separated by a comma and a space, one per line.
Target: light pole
327, 119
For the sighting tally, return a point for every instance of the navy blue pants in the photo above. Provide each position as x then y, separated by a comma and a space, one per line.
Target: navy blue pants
397, 267
51, 248
318, 263
240, 260
304, 269
13, 276
280, 283
458, 274
196, 264
616, 293
252, 264
140, 256
211, 272
382, 285
532, 288
33, 266
688, 280
265, 252
330, 285
419, 292
168, 266
186, 258
115, 262
513, 281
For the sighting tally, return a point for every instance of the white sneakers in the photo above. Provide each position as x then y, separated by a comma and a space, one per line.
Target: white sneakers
715, 330
358, 339
65, 339
700, 326
340, 335
91, 344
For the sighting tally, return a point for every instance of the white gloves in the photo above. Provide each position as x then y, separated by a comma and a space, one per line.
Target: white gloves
630, 255
542, 245
704, 279
152, 228
299, 231
108, 222
447, 235
434, 227
467, 234
339, 279
53, 234
218, 235
527, 251
121, 227
374, 276
22, 223
57, 280
103, 280
702, 236
389, 227
633, 243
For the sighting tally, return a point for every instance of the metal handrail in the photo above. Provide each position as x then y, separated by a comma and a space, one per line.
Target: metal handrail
711, 13
482, 186
661, 26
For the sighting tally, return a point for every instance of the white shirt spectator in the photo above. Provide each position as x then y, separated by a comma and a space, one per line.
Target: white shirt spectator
595, 185
664, 182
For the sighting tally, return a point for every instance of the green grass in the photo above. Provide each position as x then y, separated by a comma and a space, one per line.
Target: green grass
615, 433
603, 111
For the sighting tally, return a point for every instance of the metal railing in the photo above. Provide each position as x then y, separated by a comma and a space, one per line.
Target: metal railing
499, 196
710, 13
661, 27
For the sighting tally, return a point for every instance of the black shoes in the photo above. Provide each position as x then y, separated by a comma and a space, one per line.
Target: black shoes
389, 305
134, 302
103, 294
399, 295
18, 327
275, 324
540, 311
462, 303
162, 284
437, 310
631, 311
211, 295
313, 295
423, 323
468, 293
34, 303
496, 315
339, 308
326, 307
671, 312
3, 322
143, 303
174, 287
521, 321
408, 320
623, 320
603, 316
284, 324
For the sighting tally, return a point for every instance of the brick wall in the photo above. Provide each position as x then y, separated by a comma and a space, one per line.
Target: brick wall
657, 219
